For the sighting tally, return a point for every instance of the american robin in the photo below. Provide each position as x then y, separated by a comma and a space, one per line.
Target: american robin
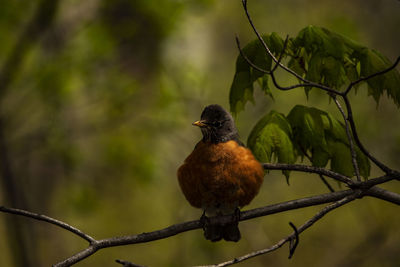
220, 175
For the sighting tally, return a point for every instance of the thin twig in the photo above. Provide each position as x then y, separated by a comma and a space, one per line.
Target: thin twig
271, 72
305, 81
254, 66
128, 264
281, 242
311, 169
352, 84
281, 54
50, 220
349, 137
330, 188
350, 119
293, 246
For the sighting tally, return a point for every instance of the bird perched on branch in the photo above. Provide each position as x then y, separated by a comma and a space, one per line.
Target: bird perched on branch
220, 175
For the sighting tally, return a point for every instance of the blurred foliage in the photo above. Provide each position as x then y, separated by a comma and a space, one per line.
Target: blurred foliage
97, 120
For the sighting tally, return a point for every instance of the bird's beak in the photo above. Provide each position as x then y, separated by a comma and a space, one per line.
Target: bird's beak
200, 123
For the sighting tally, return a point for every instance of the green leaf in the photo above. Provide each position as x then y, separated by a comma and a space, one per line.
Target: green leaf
341, 160
242, 86
364, 164
334, 60
371, 61
320, 157
321, 56
296, 65
308, 127
263, 82
270, 137
241, 91
319, 133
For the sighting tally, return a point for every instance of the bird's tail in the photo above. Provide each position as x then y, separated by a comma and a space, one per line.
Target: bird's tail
228, 232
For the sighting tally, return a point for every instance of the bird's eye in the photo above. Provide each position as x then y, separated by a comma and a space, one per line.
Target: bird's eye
217, 124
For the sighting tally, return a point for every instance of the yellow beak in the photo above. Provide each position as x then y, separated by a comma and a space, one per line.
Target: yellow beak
199, 123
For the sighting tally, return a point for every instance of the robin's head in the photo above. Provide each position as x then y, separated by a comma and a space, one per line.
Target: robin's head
217, 125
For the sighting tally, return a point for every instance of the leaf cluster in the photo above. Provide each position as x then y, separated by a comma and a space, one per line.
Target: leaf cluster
305, 132
320, 56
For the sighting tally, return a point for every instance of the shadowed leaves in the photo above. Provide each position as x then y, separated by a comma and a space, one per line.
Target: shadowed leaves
305, 131
318, 55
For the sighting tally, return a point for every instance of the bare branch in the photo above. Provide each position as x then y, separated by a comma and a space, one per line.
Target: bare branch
50, 220
361, 188
349, 137
350, 119
281, 54
384, 195
175, 229
293, 246
191, 225
301, 229
311, 169
352, 84
320, 175
326, 183
128, 264
254, 66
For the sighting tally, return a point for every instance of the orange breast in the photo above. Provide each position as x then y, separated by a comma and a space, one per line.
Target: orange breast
220, 175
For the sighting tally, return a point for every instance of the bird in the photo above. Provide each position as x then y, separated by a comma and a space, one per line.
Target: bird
220, 175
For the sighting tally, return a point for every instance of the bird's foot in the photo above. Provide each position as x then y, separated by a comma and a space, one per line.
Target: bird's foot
236, 215
204, 220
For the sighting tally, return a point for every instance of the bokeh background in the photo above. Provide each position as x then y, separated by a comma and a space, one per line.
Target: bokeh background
96, 104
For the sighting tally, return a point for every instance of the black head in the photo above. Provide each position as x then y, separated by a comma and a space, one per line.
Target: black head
217, 125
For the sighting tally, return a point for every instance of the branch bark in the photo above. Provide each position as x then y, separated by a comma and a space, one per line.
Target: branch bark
311, 169
349, 138
281, 242
192, 225
95, 245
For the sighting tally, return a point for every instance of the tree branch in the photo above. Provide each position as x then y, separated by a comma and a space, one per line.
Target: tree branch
128, 264
301, 229
311, 169
175, 229
362, 79
350, 118
48, 219
349, 137
192, 225
384, 195
330, 188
